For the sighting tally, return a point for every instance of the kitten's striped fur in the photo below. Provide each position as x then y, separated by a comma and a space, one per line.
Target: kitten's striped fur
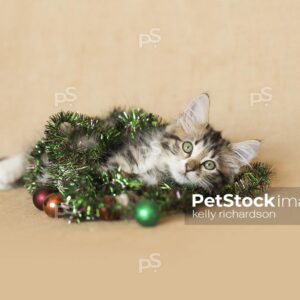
159, 154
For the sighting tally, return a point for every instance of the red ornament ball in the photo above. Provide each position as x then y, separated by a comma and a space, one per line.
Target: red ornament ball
104, 214
40, 196
109, 200
52, 205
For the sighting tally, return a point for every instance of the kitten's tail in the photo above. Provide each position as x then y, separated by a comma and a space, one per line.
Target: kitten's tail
12, 170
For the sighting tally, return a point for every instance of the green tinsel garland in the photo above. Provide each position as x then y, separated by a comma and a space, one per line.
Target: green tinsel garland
87, 189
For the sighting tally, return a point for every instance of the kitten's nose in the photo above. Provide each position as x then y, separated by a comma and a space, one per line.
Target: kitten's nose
191, 165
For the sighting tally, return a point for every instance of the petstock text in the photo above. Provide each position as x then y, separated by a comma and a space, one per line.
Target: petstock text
279, 208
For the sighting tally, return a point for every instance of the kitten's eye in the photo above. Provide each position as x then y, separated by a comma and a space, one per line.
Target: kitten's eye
209, 165
187, 147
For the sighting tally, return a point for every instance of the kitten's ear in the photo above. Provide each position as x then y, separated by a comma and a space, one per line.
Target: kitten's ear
196, 113
245, 151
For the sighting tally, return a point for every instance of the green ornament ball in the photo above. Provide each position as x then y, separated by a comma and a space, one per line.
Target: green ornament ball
147, 213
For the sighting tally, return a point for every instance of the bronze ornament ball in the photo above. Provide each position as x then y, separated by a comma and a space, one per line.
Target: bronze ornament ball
52, 205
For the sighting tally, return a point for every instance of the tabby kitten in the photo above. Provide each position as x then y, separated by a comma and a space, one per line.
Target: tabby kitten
189, 151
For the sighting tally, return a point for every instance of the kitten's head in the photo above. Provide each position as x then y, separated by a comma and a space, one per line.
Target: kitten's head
198, 155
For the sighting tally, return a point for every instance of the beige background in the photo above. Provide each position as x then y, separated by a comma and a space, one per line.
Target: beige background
229, 49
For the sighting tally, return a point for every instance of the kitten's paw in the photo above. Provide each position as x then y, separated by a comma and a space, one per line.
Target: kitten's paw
6, 178
11, 170
4, 187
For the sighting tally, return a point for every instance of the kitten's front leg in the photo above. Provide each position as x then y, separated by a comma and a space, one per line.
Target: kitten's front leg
117, 161
149, 178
